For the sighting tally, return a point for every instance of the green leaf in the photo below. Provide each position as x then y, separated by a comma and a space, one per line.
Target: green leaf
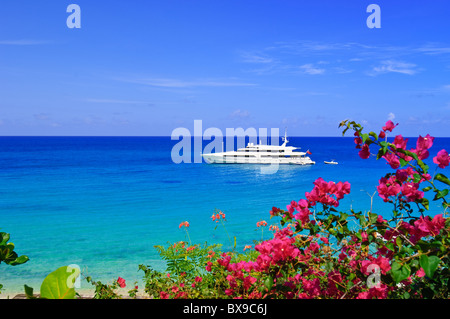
442, 178
268, 283
400, 272
365, 137
4, 237
425, 203
373, 218
19, 260
29, 292
423, 166
403, 162
417, 178
374, 135
399, 243
343, 217
429, 264
363, 221
59, 284
441, 194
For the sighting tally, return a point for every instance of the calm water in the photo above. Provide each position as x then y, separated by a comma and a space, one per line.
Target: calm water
104, 202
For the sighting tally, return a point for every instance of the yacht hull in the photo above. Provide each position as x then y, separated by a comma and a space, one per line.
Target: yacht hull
218, 159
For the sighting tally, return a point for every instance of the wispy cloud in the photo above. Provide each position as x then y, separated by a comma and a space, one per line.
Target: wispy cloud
311, 69
433, 49
341, 57
391, 116
395, 67
256, 58
114, 101
23, 42
41, 116
240, 114
177, 83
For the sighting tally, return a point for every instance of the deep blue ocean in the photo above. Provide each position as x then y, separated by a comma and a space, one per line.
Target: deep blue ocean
103, 203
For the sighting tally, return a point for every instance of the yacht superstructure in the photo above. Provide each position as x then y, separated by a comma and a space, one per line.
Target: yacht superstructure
262, 154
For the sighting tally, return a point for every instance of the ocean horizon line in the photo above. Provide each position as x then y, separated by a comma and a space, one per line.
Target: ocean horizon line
168, 136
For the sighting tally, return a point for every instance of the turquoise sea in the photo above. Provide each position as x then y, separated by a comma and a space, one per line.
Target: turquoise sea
103, 203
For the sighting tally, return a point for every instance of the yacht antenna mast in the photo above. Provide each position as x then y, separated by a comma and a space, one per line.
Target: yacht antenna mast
285, 137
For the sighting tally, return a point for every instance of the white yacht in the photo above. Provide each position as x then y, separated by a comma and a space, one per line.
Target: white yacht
262, 154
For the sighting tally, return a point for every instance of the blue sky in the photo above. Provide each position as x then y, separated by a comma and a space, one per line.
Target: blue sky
148, 67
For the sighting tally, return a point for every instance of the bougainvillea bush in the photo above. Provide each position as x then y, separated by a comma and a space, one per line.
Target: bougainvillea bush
318, 251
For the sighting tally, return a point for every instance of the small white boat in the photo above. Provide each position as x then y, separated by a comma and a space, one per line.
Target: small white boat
331, 162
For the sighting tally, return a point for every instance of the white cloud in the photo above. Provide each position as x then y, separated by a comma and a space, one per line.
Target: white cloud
113, 101
311, 69
391, 116
41, 116
256, 58
176, 83
432, 49
388, 58
395, 67
239, 114
22, 42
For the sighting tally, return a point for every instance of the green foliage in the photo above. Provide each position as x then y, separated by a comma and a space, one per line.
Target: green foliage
59, 284
183, 259
104, 291
7, 253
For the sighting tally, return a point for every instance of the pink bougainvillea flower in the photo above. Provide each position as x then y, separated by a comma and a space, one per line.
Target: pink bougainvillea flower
388, 187
389, 126
164, 295
420, 273
425, 142
400, 142
198, 279
121, 282
392, 160
364, 153
358, 141
426, 226
229, 292
422, 146
411, 191
275, 211
442, 159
